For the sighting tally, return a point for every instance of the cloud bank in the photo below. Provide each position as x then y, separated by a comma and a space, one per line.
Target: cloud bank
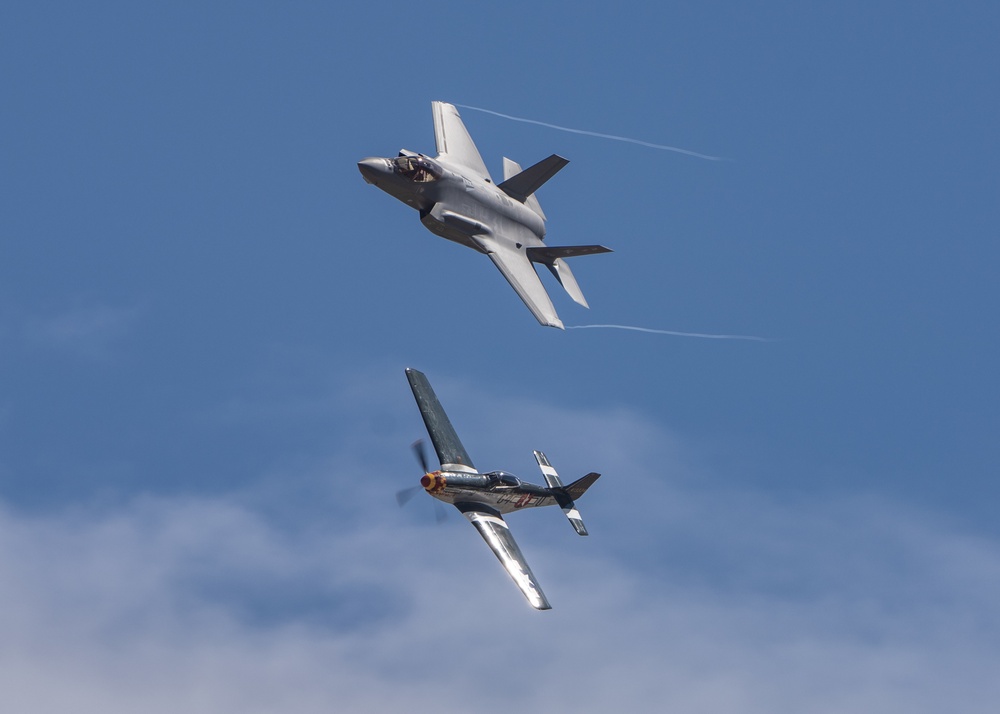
691, 595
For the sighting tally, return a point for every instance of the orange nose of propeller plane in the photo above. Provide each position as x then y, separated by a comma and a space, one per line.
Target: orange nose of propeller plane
433, 481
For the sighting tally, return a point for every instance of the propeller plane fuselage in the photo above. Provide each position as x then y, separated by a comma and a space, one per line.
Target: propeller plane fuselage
504, 491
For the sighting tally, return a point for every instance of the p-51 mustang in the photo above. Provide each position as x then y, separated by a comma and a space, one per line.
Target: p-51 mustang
458, 200
483, 498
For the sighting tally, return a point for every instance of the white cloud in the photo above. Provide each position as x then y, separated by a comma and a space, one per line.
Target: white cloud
690, 595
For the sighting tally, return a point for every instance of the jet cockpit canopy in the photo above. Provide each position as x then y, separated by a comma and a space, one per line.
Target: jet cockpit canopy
418, 169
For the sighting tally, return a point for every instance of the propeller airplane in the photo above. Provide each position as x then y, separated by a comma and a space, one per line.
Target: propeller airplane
483, 498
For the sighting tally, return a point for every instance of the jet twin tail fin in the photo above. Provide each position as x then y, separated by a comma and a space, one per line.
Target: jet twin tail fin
510, 169
521, 184
566, 495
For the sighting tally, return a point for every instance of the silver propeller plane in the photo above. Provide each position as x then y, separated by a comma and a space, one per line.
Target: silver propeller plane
484, 498
458, 200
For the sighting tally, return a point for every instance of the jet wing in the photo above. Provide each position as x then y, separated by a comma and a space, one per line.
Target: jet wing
520, 273
450, 451
453, 140
493, 528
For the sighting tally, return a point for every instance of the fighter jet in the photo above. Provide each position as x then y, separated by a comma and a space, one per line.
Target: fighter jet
458, 200
484, 498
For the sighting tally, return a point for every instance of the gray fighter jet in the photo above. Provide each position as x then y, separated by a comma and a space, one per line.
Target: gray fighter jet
458, 200
483, 498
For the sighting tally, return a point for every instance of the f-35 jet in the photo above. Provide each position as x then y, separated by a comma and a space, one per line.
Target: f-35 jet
484, 498
458, 200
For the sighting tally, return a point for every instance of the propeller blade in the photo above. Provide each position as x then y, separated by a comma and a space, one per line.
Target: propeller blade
421, 451
440, 514
403, 496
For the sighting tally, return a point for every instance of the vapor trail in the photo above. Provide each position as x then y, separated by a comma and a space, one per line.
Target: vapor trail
673, 332
599, 135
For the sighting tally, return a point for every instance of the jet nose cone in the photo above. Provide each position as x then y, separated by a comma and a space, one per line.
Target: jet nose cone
372, 168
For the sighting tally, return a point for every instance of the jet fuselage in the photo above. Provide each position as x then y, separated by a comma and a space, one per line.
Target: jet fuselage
453, 202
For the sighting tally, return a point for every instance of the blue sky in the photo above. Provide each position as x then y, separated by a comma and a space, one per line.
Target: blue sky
205, 314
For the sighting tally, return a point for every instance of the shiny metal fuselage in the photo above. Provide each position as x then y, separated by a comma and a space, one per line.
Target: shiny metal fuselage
458, 488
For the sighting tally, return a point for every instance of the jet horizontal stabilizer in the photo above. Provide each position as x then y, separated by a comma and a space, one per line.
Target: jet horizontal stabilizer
522, 185
552, 257
549, 254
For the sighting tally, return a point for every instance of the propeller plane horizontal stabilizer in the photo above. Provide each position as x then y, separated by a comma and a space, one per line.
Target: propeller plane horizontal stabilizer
562, 495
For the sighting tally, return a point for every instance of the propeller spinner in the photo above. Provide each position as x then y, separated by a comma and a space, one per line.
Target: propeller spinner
427, 481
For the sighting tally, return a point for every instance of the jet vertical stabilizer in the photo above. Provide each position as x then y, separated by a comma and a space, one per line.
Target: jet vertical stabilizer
524, 183
510, 169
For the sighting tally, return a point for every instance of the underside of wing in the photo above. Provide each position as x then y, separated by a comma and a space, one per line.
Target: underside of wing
493, 528
450, 451
514, 264
453, 140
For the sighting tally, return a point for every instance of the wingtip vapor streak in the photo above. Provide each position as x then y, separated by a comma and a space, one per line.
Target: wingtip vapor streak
458, 200
483, 498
